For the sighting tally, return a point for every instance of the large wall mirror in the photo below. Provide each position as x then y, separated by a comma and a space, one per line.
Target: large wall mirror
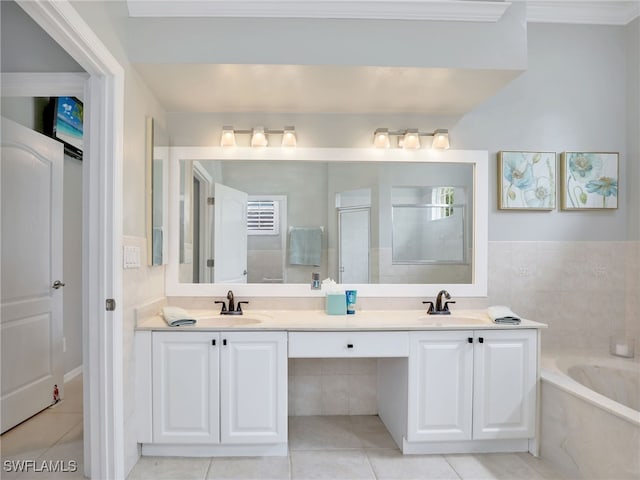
391, 226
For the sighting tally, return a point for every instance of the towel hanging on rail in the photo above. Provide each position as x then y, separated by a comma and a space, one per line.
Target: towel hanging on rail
305, 246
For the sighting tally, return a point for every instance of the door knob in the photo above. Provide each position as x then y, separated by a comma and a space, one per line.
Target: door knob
57, 284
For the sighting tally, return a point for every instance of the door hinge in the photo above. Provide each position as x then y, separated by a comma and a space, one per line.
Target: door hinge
211, 201
210, 262
110, 305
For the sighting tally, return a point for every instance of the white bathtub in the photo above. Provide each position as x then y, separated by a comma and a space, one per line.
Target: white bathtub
590, 423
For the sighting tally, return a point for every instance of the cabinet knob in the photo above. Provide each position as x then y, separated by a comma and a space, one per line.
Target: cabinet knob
224, 341
470, 339
213, 342
349, 345
481, 340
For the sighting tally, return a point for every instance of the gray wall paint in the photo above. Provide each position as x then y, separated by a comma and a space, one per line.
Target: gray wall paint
28, 48
573, 97
28, 112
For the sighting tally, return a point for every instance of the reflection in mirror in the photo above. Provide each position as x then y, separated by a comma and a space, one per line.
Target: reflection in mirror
157, 151
357, 222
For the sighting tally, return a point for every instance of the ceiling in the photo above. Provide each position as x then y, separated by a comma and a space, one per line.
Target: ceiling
320, 89
203, 87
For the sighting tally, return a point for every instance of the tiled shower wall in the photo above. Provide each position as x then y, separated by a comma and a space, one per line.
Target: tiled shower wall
584, 291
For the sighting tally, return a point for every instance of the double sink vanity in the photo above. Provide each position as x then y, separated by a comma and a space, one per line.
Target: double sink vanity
446, 383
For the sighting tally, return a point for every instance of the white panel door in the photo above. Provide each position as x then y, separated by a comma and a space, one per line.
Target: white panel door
253, 385
354, 245
505, 384
31, 308
440, 386
185, 387
230, 235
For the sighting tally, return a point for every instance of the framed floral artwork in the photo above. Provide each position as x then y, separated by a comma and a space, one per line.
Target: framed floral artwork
526, 180
589, 180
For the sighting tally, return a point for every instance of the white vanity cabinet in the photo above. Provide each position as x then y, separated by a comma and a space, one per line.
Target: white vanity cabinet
219, 388
472, 385
185, 383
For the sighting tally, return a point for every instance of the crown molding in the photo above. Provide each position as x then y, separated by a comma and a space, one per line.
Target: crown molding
439, 10
602, 12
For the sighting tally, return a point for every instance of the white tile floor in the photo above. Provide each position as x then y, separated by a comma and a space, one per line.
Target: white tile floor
55, 434
320, 447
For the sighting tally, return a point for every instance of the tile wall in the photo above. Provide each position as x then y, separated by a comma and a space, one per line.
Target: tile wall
584, 291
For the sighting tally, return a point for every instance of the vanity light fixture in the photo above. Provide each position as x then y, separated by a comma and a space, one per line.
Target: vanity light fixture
259, 136
409, 138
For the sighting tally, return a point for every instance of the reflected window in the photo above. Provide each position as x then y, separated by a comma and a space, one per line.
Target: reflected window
263, 216
442, 196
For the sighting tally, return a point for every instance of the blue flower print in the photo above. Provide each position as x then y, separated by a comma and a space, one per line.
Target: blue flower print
519, 172
605, 186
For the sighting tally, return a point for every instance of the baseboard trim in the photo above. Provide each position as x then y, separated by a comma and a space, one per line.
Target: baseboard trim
70, 375
214, 450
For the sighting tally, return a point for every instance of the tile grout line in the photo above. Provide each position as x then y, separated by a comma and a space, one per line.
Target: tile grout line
452, 467
206, 474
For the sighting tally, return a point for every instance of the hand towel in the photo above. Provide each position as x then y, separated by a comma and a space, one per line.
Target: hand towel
503, 314
176, 317
305, 246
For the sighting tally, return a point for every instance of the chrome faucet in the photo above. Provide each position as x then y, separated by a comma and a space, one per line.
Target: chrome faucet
232, 310
439, 308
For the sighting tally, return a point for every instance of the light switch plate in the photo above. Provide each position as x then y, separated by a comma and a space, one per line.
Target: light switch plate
131, 256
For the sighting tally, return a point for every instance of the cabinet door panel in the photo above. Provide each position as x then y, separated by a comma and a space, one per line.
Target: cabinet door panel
185, 387
254, 387
505, 384
440, 386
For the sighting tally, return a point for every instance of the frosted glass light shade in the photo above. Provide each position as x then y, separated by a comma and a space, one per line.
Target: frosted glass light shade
381, 138
259, 138
440, 139
228, 138
289, 137
411, 140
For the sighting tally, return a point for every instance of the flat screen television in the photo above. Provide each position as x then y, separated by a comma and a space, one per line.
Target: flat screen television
64, 121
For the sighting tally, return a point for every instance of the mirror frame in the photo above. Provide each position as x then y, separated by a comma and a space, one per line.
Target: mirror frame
477, 158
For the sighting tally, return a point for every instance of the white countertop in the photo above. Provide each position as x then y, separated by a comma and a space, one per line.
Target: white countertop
318, 320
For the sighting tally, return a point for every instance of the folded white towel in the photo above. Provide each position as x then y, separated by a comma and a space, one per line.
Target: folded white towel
503, 314
176, 316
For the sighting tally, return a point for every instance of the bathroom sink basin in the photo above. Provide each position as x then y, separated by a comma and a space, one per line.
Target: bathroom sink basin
444, 320
232, 320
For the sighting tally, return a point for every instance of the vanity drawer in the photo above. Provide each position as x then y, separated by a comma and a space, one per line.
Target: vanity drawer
348, 344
